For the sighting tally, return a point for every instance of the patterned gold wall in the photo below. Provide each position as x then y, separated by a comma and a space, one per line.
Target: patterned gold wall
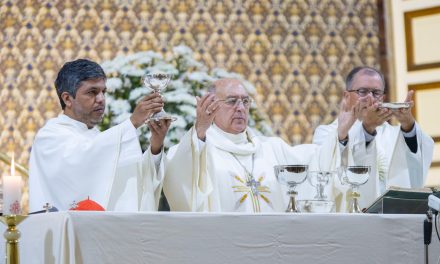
295, 52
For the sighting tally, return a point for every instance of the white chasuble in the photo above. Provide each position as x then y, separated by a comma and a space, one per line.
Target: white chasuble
235, 173
392, 162
70, 163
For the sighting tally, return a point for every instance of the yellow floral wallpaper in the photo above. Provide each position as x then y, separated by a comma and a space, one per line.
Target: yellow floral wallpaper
295, 52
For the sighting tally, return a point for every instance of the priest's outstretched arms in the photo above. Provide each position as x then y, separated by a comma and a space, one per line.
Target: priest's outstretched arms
72, 160
403, 153
221, 165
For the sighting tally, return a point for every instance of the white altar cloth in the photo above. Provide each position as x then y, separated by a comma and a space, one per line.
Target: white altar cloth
163, 237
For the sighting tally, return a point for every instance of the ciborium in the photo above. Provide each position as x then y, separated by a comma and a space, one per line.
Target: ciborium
12, 235
291, 175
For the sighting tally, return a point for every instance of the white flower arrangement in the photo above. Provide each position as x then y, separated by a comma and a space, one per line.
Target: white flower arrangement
190, 78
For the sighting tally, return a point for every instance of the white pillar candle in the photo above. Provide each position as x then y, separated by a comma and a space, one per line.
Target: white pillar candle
12, 193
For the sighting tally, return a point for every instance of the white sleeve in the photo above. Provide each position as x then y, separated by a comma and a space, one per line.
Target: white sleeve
153, 173
186, 183
321, 133
66, 165
131, 150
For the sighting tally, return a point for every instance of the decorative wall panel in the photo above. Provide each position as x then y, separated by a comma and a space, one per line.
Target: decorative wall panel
295, 52
421, 27
426, 98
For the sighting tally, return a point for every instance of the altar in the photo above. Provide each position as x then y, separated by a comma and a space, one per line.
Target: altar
170, 237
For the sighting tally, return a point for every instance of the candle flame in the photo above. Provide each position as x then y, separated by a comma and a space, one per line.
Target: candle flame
12, 166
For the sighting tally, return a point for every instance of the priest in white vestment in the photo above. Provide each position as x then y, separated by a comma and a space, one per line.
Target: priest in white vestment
71, 160
221, 165
404, 152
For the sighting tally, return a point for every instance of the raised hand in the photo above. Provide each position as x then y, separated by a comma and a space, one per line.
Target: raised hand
404, 115
372, 116
347, 117
207, 107
146, 107
158, 130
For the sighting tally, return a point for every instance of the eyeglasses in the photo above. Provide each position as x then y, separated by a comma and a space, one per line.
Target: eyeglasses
365, 91
233, 101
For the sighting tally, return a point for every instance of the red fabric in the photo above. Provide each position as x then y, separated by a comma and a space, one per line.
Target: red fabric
87, 205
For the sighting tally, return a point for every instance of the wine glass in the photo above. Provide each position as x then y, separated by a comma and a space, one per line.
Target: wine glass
291, 175
157, 82
354, 176
319, 204
319, 180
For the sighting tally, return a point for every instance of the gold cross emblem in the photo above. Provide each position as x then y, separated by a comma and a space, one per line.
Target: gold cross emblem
252, 188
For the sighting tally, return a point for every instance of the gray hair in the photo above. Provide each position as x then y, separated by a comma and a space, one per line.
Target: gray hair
213, 86
362, 70
73, 73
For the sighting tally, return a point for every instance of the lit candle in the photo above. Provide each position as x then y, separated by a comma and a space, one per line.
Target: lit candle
12, 192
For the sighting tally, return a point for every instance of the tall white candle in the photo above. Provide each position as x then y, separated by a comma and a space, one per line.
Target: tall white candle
12, 192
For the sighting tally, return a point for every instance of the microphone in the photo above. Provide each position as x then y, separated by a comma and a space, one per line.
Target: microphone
427, 233
434, 205
427, 228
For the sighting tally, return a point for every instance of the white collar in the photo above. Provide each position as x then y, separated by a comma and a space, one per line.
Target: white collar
240, 138
63, 118
241, 144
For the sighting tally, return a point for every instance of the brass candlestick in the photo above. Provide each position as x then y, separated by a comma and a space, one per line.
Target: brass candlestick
12, 234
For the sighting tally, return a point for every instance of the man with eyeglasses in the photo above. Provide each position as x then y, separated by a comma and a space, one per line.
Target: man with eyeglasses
221, 165
402, 154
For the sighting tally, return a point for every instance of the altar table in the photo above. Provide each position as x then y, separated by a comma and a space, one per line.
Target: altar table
171, 237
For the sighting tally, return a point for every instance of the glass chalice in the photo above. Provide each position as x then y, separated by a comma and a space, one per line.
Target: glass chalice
320, 203
157, 82
319, 180
354, 176
291, 175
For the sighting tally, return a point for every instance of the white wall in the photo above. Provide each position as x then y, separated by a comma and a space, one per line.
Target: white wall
427, 101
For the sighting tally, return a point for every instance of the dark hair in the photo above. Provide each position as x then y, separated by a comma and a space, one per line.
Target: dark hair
365, 70
73, 73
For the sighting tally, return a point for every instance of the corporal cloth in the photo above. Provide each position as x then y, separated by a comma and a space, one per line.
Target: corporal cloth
391, 160
212, 177
70, 162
